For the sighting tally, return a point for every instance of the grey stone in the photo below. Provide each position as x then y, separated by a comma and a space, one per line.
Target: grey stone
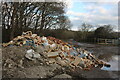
63, 76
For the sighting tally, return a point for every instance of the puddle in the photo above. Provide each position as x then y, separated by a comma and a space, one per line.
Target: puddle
115, 64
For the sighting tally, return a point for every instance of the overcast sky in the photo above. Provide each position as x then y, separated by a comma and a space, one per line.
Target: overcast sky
95, 12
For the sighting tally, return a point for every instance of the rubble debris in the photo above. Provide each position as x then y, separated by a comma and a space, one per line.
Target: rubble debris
76, 61
31, 55
9, 63
52, 54
56, 51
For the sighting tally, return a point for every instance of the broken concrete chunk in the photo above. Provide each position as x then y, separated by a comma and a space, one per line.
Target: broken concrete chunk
40, 49
36, 55
76, 61
52, 45
82, 63
63, 54
34, 35
31, 55
30, 51
62, 63
52, 54
45, 44
58, 59
51, 61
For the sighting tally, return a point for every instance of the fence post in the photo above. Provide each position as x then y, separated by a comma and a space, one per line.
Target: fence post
98, 40
105, 41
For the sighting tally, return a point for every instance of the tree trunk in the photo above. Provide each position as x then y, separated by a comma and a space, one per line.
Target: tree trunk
13, 21
42, 17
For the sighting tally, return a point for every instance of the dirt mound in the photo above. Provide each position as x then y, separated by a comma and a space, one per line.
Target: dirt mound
31, 56
15, 65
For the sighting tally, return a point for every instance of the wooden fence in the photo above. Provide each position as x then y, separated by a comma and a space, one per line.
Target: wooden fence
107, 41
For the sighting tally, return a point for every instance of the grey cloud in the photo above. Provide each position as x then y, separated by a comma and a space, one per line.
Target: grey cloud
96, 15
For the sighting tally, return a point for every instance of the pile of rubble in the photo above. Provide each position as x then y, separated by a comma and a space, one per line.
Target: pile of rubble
56, 51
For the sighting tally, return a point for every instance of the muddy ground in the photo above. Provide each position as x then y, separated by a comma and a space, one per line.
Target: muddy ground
39, 69
105, 53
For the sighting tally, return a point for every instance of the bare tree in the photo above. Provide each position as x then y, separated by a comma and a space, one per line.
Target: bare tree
85, 28
20, 16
